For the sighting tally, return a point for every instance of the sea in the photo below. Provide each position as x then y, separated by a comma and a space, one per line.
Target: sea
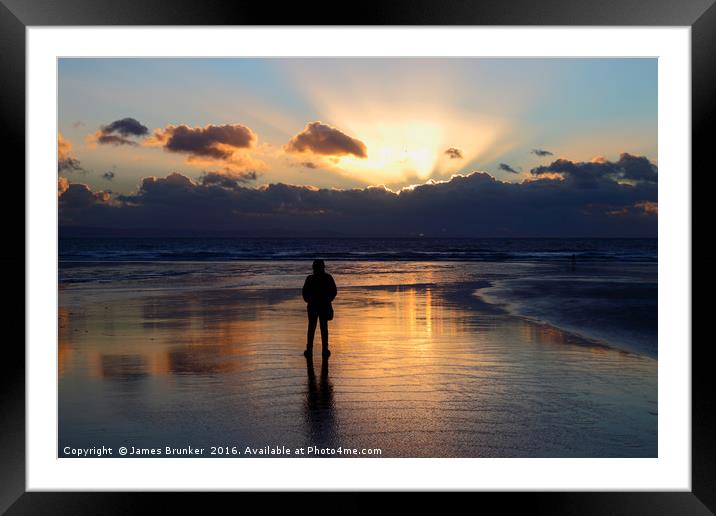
359, 249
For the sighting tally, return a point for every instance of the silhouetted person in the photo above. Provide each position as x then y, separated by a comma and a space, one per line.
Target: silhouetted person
573, 262
318, 291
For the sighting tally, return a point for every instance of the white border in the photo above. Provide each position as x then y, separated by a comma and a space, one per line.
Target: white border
671, 471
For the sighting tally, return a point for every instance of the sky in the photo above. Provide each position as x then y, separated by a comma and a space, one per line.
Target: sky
319, 142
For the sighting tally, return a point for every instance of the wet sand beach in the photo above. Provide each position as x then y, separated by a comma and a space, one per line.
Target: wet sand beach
422, 365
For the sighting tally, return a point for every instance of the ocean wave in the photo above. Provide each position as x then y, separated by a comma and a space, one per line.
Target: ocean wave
470, 250
619, 311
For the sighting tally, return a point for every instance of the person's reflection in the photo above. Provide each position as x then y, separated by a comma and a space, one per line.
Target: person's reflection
319, 406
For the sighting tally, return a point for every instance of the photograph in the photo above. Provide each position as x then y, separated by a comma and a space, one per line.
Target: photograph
357, 257
449, 245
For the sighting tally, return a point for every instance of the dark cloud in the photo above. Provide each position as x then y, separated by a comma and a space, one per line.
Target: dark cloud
590, 174
637, 168
113, 139
507, 168
172, 183
454, 153
309, 164
228, 178
109, 175
80, 195
69, 164
541, 152
212, 141
323, 139
119, 132
126, 127
467, 205
76, 200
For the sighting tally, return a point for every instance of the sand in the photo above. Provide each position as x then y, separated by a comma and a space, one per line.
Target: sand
419, 368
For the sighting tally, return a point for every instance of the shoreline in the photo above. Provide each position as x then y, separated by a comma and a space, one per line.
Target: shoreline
483, 295
420, 366
582, 336
592, 318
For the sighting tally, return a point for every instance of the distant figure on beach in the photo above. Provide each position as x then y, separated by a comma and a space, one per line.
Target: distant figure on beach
573, 262
318, 292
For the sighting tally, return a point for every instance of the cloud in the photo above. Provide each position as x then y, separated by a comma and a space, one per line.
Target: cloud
217, 142
126, 127
65, 161
163, 184
119, 132
111, 139
541, 152
507, 168
309, 164
228, 178
648, 207
76, 200
109, 175
62, 185
454, 153
644, 208
475, 204
590, 174
637, 168
80, 195
322, 139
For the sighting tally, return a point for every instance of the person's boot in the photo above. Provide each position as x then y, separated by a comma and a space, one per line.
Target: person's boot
326, 353
308, 353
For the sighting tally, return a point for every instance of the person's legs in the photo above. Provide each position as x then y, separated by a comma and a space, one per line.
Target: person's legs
312, 319
324, 330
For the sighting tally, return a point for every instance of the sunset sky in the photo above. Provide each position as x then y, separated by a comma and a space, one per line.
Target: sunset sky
349, 124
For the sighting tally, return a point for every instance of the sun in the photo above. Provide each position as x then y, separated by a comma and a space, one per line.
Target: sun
404, 150
396, 150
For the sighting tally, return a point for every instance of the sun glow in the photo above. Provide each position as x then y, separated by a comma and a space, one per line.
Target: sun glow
406, 124
406, 150
396, 150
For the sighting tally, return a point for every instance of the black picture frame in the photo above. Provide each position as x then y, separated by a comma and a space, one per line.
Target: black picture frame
16, 15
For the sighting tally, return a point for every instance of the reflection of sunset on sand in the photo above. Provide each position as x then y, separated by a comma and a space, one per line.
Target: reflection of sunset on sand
415, 371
